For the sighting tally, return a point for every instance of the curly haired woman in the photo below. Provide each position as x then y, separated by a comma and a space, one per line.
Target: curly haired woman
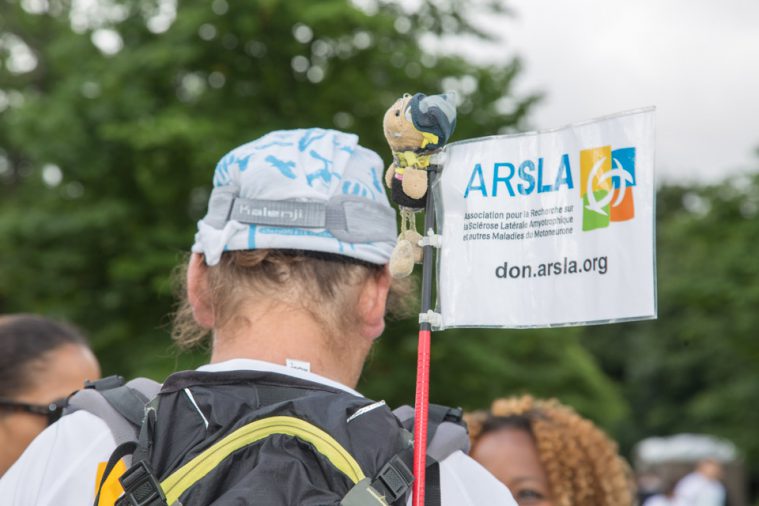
548, 455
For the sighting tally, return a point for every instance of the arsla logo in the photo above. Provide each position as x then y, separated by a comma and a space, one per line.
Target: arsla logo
607, 179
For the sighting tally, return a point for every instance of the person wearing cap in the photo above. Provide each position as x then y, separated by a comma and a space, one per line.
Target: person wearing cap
288, 273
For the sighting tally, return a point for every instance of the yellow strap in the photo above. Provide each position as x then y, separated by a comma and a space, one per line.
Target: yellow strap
112, 489
184, 477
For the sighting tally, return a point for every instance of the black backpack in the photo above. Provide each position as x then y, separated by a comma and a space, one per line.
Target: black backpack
226, 437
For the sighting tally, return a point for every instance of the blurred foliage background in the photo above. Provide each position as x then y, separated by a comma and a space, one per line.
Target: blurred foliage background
114, 113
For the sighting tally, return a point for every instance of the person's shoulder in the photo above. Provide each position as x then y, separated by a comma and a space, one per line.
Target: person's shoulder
61, 464
463, 481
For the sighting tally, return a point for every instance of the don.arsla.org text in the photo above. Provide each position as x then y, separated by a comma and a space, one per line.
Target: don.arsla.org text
561, 267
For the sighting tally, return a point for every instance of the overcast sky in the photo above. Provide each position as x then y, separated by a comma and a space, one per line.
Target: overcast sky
697, 61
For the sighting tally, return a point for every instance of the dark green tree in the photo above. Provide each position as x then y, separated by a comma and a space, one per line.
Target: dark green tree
111, 123
471, 367
696, 368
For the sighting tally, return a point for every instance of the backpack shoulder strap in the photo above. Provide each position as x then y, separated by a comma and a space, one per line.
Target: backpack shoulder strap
446, 433
120, 405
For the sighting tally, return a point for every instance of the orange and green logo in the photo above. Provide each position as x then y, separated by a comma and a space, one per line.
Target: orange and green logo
607, 179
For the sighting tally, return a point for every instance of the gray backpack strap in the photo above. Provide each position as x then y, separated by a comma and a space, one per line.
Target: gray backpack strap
405, 414
449, 438
129, 400
447, 431
121, 406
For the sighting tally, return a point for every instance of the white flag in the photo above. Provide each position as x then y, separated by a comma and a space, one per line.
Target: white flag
549, 228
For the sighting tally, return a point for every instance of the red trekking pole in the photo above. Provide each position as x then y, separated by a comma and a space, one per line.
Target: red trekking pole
421, 403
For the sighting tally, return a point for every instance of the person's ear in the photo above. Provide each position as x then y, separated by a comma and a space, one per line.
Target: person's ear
197, 292
372, 304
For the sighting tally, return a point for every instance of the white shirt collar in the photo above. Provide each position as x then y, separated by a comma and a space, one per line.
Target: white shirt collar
247, 364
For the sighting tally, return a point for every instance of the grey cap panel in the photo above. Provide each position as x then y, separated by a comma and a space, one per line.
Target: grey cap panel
280, 213
335, 218
348, 218
365, 221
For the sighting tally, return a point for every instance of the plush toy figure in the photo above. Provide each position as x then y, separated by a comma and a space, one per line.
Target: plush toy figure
415, 127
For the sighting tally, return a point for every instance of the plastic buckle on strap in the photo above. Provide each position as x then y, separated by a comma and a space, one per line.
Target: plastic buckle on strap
141, 487
431, 317
394, 479
107, 383
431, 239
454, 415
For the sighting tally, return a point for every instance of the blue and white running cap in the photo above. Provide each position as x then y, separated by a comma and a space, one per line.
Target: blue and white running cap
313, 190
